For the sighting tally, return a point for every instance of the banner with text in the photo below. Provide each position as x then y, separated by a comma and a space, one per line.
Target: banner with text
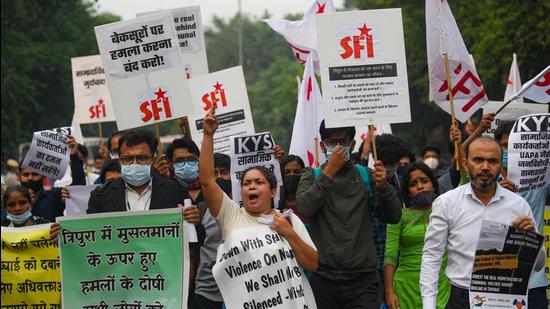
253, 150
92, 101
363, 68
511, 113
49, 153
529, 152
256, 268
188, 25
503, 263
226, 89
124, 260
144, 67
30, 268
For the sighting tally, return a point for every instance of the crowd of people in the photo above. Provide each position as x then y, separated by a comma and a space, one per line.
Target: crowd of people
402, 232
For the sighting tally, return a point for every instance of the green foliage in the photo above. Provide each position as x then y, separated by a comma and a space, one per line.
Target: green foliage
38, 39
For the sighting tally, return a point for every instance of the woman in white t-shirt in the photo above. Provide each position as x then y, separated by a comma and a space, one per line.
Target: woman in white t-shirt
257, 191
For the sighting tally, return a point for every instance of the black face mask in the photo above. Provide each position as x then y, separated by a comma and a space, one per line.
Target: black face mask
34, 185
225, 185
422, 199
290, 183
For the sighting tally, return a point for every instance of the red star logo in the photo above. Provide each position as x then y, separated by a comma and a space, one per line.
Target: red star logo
160, 94
218, 86
510, 82
320, 8
100, 101
364, 30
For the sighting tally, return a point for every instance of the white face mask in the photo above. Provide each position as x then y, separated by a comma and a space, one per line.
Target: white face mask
113, 155
432, 163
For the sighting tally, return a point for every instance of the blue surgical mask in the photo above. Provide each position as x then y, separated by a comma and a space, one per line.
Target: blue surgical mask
186, 171
19, 219
330, 150
505, 159
136, 174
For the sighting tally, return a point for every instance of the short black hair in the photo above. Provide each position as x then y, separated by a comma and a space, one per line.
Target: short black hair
182, 143
411, 157
83, 150
407, 179
503, 128
221, 160
133, 138
390, 148
98, 156
268, 174
111, 165
292, 158
326, 132
17, 188
111, 139
483, 138
431, 148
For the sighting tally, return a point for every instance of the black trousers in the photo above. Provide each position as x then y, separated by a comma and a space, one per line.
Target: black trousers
360, 292
458, 299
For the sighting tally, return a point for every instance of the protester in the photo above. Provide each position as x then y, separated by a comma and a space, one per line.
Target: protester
405, 240
340, 207
11, 176
537, 200
111, 152
431, 156
98, 163
111, 170
407, 159
222, 169
17, 202
292, 167
257, 190
456, 219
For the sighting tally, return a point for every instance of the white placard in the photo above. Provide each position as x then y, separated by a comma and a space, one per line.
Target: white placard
144, 68
529, 152
227, 89
253, 150
92, 101
77, 203
362, 131
256, 268
190, 33
510, 113
363, 68
49, 153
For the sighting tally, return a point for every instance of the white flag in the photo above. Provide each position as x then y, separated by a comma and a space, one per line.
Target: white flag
538, 88
308, 116
443, 36
513, 85
77, 132
302, 35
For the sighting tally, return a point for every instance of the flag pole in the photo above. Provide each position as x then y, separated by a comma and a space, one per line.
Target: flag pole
100, 129
505, 104
451, 103
157, 131
374, 152
316, 162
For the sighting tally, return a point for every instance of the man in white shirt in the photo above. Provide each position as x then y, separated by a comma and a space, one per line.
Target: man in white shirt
456, 219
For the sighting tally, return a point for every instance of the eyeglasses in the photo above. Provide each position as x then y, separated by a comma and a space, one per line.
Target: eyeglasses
334, 143
187, 161
139, 159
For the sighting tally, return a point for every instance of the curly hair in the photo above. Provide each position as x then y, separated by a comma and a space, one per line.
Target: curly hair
391, 148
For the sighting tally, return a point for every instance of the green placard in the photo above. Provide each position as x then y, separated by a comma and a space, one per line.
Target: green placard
122, 258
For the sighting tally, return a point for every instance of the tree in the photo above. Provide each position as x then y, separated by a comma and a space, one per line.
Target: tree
38, 39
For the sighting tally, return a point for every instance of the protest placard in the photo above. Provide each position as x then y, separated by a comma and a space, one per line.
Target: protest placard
188, 25
504, 259
529, 152
363, 68
144, 68
49, 153
256, 268
511, 113
110, 260
226, 89
253, 150
30, 268
92, 101
77, 203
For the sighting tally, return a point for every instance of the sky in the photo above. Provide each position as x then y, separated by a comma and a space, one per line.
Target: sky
127, 9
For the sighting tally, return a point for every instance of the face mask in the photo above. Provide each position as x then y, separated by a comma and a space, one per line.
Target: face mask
505, 159
19, 219
34, 185
290, 183
432, 163
136, 174
422, 199
186, 172
225, 185
330, 150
